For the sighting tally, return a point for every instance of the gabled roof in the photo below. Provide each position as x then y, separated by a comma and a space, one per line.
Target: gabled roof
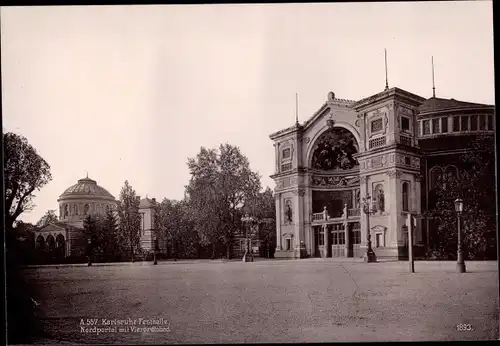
435, 104
61, 225
147, 203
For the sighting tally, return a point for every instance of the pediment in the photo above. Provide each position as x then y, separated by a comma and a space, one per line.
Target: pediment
51, 228
379, 228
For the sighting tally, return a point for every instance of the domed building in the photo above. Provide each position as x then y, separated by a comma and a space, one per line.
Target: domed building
65, 237
82, 199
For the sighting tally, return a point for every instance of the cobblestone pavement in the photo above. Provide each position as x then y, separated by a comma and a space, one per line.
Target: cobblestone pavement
314, 300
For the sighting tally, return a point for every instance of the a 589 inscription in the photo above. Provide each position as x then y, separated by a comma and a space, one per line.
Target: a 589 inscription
464, 327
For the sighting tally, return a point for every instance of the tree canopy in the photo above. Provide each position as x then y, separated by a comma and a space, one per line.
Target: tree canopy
25, 172
129, 218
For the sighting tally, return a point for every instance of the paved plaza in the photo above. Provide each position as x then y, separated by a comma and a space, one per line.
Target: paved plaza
313, 300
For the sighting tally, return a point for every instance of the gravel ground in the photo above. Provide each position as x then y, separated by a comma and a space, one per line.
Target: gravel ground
314, 300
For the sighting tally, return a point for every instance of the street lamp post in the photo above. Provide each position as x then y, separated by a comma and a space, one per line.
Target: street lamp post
90, 252
459, 208
247, 257
155, 262
368, 209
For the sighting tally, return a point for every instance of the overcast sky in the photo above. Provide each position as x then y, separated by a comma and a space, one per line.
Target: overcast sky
130, 92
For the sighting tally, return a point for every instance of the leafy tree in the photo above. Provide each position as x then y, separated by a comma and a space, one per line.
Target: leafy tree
173, 224
475, 184
114, 248
49, 217
129, 218
24, 172
221, 183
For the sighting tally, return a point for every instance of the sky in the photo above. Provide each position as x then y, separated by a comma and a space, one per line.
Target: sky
131, 92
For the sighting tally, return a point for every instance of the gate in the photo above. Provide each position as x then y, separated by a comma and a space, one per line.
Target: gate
338, 240
356, 240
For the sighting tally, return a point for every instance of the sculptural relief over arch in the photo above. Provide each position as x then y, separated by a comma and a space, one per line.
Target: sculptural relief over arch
334, 149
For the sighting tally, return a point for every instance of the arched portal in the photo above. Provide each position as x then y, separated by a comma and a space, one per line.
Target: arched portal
51, 243
335, 190
40, 243
60, 245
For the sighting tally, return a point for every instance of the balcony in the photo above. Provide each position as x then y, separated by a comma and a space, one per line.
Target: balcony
348, 214
377, 142
405, 140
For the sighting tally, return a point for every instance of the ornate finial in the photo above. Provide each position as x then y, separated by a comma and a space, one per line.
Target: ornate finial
296, 108
386, 79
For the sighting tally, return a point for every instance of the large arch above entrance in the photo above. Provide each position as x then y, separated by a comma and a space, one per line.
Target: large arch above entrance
337, 126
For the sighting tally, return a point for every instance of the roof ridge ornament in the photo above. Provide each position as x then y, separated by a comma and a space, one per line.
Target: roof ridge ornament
386, 79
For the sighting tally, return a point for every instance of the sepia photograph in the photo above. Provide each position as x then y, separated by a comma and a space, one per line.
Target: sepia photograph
249, 173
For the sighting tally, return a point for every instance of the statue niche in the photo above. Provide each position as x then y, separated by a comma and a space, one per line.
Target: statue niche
334, 149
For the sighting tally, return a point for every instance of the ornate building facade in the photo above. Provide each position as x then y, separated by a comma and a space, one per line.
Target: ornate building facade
384, 147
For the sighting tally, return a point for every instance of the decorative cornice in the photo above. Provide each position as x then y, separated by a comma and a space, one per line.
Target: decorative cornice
300, 192
394, 174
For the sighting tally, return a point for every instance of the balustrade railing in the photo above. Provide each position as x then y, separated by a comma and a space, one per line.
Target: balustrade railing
351, 213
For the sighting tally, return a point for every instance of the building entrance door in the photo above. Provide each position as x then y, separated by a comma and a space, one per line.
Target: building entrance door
318, 240
338, 240
355, 240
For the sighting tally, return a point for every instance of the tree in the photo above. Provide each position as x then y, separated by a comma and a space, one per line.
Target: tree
266, 216
174, 226
24, 173
49, 217
475, 186
114, 248
129, 218
221, 183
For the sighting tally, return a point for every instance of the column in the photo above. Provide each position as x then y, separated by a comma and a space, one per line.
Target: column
393, 225
325, 240
346, 231
278, 221
418, 210
363, 187
277, 153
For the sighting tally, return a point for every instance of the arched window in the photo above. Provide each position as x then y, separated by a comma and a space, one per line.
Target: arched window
66, 210
436, 177
51, 243
85, 209
405, 196
378, 195
75, 209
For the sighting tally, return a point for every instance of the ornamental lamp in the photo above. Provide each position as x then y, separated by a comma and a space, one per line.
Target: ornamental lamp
459, 205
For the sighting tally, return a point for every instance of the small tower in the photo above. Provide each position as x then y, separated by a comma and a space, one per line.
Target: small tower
389, 165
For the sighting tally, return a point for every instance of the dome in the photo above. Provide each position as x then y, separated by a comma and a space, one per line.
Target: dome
86, 187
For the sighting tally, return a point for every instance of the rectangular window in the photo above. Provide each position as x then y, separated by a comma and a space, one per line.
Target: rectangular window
456, 124
427, 127
405, 124
444, 125
286, 153
376, 125
464, 123
482, 122
473, 122
435, 125
490, 122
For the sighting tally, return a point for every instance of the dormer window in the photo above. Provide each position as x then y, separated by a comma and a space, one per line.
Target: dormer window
435, 125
